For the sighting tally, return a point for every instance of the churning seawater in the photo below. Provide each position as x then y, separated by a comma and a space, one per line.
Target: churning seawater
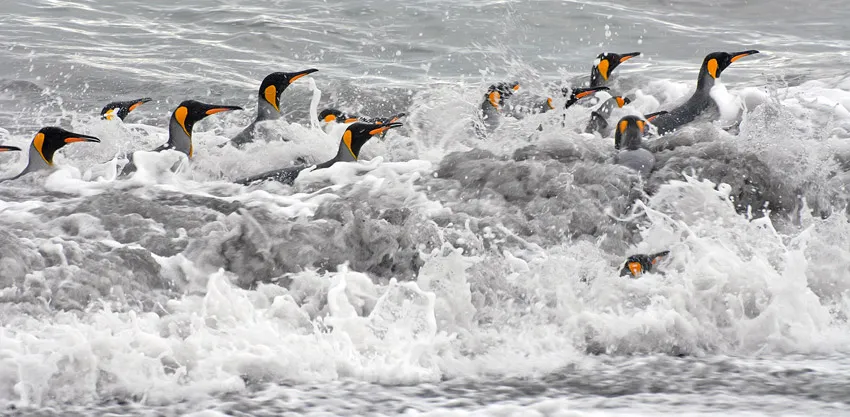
444, 274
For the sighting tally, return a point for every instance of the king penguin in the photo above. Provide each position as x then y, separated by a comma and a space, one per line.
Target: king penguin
338, 116
578, 93
494, 102
353, 139
268, 102
627, 140
605, 64
121, 109
180, 126
713, 64
44, 145
637, 265
599, 117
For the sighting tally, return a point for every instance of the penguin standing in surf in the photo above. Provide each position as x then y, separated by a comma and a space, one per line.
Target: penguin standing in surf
180, 126
627, 140
120, 109
353, 139
701, 101
44, 145
268, 102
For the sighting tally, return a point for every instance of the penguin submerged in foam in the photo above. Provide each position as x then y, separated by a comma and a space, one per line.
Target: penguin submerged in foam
627, 140
605, 64
120, 109
712, 66
44, 145
268, 102
637, 265
353, 139
180, 126
494, 102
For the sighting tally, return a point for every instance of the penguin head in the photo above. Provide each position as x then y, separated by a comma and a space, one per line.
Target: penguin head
356, 135
48, 140
121, 109
629, 132
190, 112
334, 115
605, 64
715, 62
8, 148
636, 265
578, 93
273, 85
498, 93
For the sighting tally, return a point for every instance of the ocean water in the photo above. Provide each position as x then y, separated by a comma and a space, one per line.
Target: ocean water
445, 274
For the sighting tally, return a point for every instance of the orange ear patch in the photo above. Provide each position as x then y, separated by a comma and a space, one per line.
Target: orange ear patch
623, 125
603, 68
329, 118
346, 139
549, 103
271, 96
635, 268
38, 143
711, 66
180, 115
621, 102
641, 124
494, 99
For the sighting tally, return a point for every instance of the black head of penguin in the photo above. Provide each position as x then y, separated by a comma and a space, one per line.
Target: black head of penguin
186, 115
121, 109
629, 132
48, 140
605, 64
334, 115
356, 135
275, 83
498, 93
714, 64
636, 265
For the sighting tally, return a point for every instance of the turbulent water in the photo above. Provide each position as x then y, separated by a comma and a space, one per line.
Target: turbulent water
445, 274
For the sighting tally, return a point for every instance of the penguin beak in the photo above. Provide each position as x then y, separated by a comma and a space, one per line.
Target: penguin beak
396, 117
350, 120
580, 93
219, 109
384, 128
139, 102
652, 116
738, 55
635, 269
628, 56
76, 137
657, 257
5, 148
301, 74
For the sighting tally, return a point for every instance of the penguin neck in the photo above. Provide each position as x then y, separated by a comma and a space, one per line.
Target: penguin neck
705, 81
596, 79
266, 111
633, 140
178, 139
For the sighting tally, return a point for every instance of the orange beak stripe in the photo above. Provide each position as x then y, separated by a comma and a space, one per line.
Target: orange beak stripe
584, 94
626, 58
351, 120
292, 80
379, 130
134, 106
75, 139
217, 110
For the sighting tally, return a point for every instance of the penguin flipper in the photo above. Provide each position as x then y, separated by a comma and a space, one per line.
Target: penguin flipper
286, 176
245, 136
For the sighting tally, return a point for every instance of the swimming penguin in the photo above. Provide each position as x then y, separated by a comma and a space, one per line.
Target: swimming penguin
599, 117
121, 109
334, 115
604, 65
44, 145
713, 64
180, 126
353, 139
494, 102
628, 137
636, 265
268, 102
578, 93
